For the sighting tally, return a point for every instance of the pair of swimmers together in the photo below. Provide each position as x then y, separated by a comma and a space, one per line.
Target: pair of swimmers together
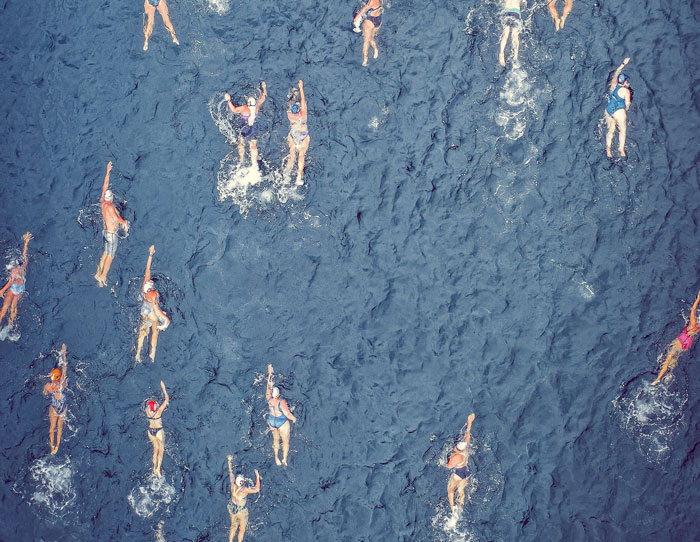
298, 137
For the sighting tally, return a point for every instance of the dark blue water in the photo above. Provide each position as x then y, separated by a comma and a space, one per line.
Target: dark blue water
461, 244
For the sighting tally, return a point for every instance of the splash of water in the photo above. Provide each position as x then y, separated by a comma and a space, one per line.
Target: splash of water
147, 499
53, 483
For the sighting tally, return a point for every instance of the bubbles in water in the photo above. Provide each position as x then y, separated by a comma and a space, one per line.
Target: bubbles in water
220, 7
652, 415
53, 482
146, 500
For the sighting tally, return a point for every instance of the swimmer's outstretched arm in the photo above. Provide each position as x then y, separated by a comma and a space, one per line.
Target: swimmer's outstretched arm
230, 474
468, 434
618, 71
64, 367
27, 237
151, 252
268, 389
302, 104
693, 319
105, 184
166, 401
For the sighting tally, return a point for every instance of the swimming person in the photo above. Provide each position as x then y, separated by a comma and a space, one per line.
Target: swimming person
512, 25
153, 318
237, 506
459, 464
112, 223
149, 8
681, 343
156, 434
370, 26
559, 21
278, 419
13, 290
619, 100
249, 132
57, 410
298, 137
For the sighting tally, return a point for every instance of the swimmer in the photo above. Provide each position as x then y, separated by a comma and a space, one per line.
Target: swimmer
156, 434
149, 8
512, 25
153, 318
459, 464
683, 342
278, 419
559, 21
237, 506
249, 132
619, 100
57, 411
298, 137
370, 26
112, 222
13, 290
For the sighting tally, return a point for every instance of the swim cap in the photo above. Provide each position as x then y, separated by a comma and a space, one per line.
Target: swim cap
621, 78
152, 405
251, 101
462, 446
275, 392
108, 195
54, 375
148, 285
240, 480
295, 109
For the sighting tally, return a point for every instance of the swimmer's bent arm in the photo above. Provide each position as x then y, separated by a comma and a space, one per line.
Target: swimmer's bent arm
693, 320
285, 410
618, 71
261, 100
362, 12
255, 489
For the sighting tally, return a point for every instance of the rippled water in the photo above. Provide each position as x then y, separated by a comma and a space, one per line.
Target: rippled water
461, 244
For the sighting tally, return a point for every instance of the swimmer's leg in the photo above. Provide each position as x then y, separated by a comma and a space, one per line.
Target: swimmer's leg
292, 154
284, 433
6, 304
13, 309
107, 265
163, 10
451, 491
609, 136
243, 524
232, 529
160, 437
276, 444
155, 450
553, 12
254, 153
504, 41
59, 429
154, 339
241, 148
621, 121
367, 28
100, 267
150, 12
143, 331
460, 489
302, 157
568, 5
671, 358
373, 42
52, 428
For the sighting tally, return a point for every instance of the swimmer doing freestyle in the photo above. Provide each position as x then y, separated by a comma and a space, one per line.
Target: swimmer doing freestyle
237, 506
112, 222
619, 100
149, 9
249, 131
370, 17
15, 287
57, 410
681, 343
298, 137
458, 463
156, 433
153, 319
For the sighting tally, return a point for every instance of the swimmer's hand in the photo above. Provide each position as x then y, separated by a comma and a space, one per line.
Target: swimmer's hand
227, 97
356, 28
229, 457
109, 166
163, 326
152, 250
27, 237
626, 61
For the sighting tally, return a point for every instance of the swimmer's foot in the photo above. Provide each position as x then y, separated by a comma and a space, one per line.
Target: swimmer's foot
284, 462
300, 181
623, 155
54, 449
655, 382
364, 61
137, 357
175, 41
277, 461
502, 59
145, 45
376, 53
561, 22
608, 152
153, 358
557, 25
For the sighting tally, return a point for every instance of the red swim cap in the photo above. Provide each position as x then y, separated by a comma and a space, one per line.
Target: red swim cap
55, 374
152, 406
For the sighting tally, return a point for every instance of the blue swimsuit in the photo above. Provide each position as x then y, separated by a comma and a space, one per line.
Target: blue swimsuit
277, 421
615, 103
154, 3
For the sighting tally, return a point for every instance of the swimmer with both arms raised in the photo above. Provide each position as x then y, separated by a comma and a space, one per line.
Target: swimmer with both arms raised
458, 463
153, 319
149, 8
57, 411
156, 434
237, 506
249, 132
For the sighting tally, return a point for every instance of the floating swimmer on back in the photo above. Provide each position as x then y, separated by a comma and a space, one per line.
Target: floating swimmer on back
14, 289
249, 132
149, 8
370, 17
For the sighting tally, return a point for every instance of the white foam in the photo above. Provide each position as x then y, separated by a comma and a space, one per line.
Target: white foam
147, 499
53, 484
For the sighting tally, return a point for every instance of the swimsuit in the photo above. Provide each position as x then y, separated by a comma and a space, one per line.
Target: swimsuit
235, 508
376, 20
249, 131
17, 289
154, 430
276, 421
147, 306
154, 3
685, 339
513, 18
461, 472
58, 404
299, 132
615, 103
111, 241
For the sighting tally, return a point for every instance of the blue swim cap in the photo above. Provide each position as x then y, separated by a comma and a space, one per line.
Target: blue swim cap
621, 78
295, 109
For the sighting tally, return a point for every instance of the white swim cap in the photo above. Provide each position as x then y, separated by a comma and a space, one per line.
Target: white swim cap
148, 285
251, 101
275, 392
462, 446
240, 480
108, 195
